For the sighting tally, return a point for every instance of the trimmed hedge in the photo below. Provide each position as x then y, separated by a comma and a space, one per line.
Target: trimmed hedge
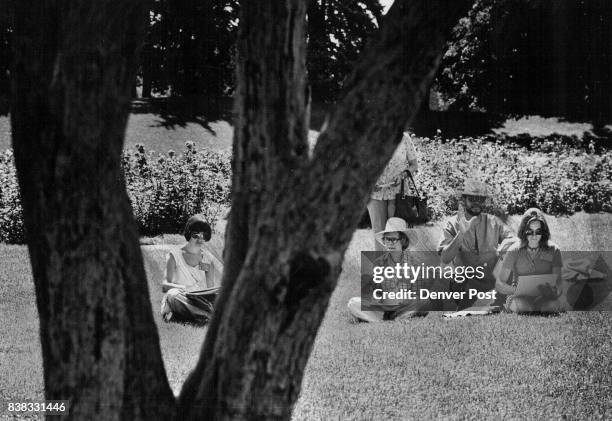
559, 175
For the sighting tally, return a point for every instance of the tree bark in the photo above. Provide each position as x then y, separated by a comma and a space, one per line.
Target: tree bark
292, 217
73, 69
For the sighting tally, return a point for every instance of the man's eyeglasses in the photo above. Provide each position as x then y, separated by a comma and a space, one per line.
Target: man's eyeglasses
536, 232
391, 240
476, 199
198, 236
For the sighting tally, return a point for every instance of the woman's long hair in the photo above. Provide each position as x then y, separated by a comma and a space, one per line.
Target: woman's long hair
531, 215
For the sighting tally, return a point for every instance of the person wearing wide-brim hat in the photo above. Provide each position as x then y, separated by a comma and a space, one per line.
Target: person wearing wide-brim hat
409, 236
470, 239
473, 187
397, 238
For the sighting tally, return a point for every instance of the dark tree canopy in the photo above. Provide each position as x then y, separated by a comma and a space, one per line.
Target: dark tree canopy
6, 25
337, 33
189, 47
532, 57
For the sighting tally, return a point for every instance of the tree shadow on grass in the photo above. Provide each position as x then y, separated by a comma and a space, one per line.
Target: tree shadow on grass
453, 124
177, 111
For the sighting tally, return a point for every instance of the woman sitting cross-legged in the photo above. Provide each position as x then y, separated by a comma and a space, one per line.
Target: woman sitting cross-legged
397, 238
535, 254
189, 268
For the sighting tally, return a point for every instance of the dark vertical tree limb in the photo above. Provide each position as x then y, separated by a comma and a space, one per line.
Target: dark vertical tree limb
72, 74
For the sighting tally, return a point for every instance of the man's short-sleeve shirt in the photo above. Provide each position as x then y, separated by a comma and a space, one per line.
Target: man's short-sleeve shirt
479, 247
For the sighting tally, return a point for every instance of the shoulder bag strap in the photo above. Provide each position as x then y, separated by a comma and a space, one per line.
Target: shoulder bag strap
413, 184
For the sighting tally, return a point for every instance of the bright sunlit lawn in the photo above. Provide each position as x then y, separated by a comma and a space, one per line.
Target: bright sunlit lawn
501, 366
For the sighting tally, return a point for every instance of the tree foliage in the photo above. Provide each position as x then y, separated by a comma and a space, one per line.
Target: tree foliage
337, 33
532, 57
189, 47
6, 28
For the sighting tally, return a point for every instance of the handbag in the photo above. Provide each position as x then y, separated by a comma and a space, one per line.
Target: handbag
411, 208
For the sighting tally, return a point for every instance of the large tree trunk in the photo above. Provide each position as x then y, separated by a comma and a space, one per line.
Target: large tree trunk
73, 70
292, 217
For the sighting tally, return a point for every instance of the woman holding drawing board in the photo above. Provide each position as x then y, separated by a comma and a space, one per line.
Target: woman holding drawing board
535, 266
190, 276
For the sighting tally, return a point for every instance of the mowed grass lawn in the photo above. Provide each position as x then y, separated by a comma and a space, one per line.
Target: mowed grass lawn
501, 366
147, 129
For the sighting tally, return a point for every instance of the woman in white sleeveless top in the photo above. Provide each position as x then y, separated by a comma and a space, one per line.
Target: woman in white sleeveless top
189, 268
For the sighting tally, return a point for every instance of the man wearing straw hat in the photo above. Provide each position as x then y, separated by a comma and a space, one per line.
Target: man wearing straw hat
471, 238
397, 238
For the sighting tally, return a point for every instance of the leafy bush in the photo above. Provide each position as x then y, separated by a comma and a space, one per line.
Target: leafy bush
164, 190
11, 213
557, 176
553, 176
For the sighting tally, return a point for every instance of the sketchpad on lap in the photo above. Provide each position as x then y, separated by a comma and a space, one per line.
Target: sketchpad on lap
155, 261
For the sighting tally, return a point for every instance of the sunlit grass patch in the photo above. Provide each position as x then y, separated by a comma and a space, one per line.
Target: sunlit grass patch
501, 366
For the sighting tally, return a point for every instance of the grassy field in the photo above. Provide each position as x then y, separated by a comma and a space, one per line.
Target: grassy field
502, 366
148, 129
161, 133
153, 131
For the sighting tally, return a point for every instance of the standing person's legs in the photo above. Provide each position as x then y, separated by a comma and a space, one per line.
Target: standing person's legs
378, 217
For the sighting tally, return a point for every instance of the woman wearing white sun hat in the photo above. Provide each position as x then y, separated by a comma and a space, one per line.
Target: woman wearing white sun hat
397, 239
